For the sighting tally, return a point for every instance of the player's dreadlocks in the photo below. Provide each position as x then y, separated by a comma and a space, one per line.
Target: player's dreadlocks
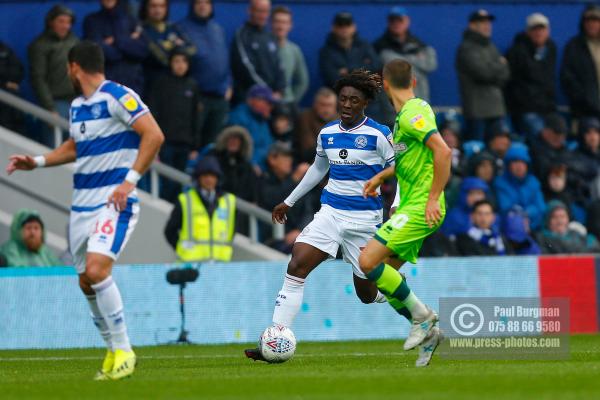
361, 79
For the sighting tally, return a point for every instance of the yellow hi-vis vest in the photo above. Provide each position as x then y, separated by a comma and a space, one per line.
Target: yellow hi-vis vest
202, 237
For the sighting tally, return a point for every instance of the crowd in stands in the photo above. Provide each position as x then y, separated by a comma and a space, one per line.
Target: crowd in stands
525, 179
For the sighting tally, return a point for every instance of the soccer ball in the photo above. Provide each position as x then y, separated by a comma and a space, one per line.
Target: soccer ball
277, 344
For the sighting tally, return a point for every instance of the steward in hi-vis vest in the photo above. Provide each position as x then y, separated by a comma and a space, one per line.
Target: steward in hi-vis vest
202, 223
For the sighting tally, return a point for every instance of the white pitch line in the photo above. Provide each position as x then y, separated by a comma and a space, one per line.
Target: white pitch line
191, 356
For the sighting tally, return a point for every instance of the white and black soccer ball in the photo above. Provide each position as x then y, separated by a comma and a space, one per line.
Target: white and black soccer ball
277, 344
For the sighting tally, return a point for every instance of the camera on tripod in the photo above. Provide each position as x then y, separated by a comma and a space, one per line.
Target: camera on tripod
181, 277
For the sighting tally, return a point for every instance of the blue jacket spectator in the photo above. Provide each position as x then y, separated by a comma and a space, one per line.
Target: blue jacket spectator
254, 115
458, 219
210, 67
120, 36
516, 186
515, 229
255, 55
162, 37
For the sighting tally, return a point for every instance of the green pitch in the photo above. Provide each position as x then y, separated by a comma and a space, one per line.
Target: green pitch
340, 370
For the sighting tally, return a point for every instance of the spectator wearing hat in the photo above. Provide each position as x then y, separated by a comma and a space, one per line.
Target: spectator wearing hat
162, 36
457, 219
515, 228
483, 238
482, 165
254, 115
345, 50
290, 56
530, 92
482, 74
26, 246
48, 61
498, 142
120, 36
550, 147
562, 236
174, 103
276, 183
586, 157
11, 75
397, 42
580, 69
255, 55
518, 187
210, 67
282, 124
202, 223
310, 122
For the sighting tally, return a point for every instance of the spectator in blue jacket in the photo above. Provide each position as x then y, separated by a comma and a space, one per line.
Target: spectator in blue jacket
458, 219
210, 67
515, 228
254, 115
255, 55
120, 36
162, 37
516, 186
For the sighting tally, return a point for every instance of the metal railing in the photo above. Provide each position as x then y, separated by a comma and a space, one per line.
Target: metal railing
157, 169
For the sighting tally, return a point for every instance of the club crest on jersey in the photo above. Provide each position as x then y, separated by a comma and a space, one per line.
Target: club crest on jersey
96, 110
343, 154
400, 147
82, 127
418, 121
129, 102
360, 142
330, 140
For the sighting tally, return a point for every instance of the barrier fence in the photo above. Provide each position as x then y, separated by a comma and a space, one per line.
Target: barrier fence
43, 308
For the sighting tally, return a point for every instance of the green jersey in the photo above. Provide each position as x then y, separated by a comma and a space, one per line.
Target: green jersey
415, 123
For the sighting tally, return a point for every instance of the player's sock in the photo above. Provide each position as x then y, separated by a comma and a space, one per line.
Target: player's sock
399, 307
110, 304
288, 301
390, 282
99, 320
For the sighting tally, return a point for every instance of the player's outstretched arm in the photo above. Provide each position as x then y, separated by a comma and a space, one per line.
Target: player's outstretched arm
315, 173
442, 162
372, 184
151, 140
63, 154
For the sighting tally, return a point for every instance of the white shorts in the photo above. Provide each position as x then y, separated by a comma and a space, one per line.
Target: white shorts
105, 231
327, 233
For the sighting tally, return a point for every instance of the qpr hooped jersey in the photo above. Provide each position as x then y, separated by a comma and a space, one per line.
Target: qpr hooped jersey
106, 144
355, 155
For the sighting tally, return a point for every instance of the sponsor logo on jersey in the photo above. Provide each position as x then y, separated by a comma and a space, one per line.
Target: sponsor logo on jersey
360, 142
129, 102
418, 121
330, 140
390, 137
343, 154
96, 110
400, 147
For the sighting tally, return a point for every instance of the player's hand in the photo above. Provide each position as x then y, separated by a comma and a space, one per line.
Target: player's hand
119, 196
433, 213
20, 162
370, 189
279, 213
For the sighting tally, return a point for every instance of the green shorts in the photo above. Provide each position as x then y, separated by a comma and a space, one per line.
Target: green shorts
405, 231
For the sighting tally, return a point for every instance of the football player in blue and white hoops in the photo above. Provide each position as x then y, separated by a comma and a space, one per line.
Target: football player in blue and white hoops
113, 140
